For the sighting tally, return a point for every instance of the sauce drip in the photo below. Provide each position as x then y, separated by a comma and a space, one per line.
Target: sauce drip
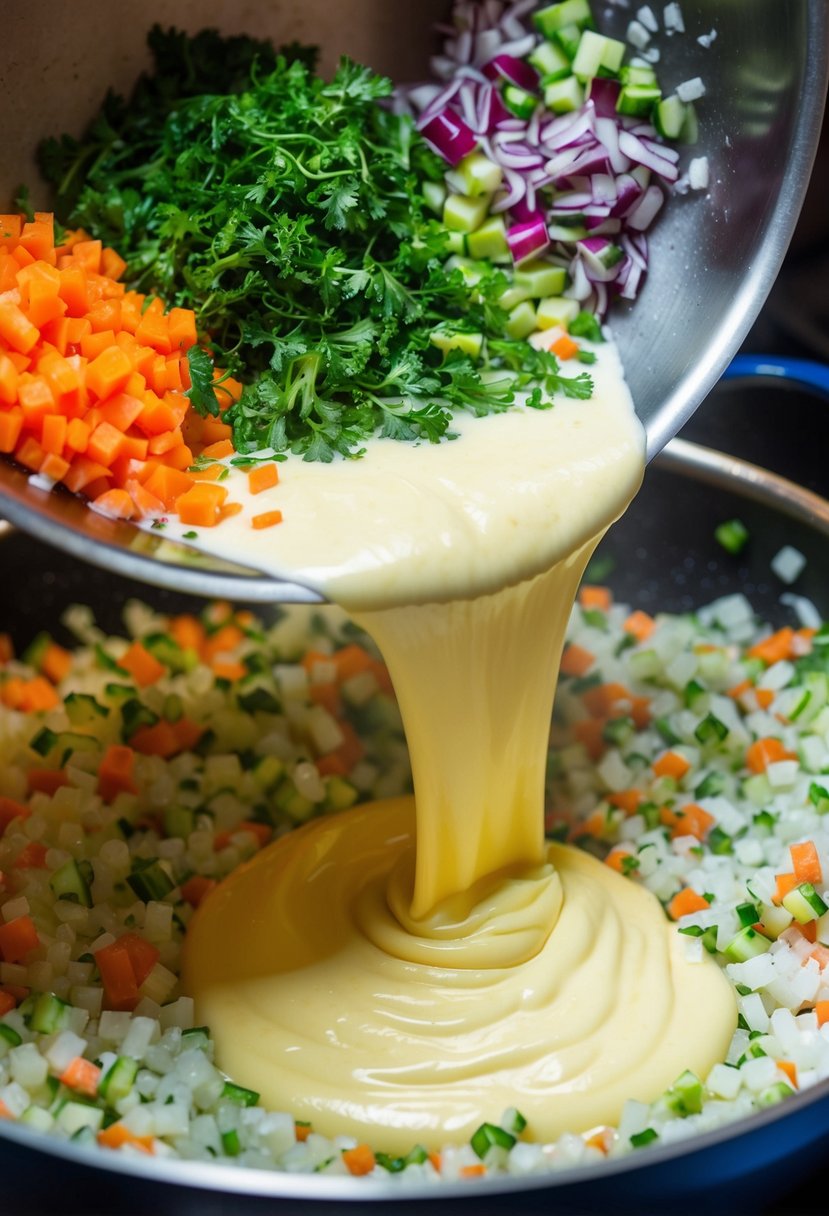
409, 969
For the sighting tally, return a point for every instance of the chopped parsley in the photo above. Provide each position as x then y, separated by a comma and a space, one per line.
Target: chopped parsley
288, 212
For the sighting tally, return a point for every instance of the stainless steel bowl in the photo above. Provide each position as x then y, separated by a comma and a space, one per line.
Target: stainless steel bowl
714, 257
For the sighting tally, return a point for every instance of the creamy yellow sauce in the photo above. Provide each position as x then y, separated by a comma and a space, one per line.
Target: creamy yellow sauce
406, 971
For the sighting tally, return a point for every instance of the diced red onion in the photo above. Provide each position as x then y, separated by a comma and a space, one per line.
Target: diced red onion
628, 194
449, 136
646, 210
515, 71
524, 210
528, 239
607, 133
515, 191
604, 94
637, 151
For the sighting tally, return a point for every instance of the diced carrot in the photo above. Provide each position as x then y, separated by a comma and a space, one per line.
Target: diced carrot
565, 348
774, 648
11, 424
188, 632
595, 597
690, 820
472, 1171
616, 857
29, 696
590, 733
18, 937
352, 660
229, 510
605, 700
53, 435
576, 660
229, 669
7, 1003
332, 765
785, 884
182, 328
56, 663
112, 265
220, 449
302, 1131
160, 739
154, 330
88, 253
9, 377
764, 752
214, 430
46, 780
764, 697
359, 1160
263, 477
169, 485
108, 373
187, 733
201, 505
685, 902
117, 1136
10, 228
640, 625
268, 519
144, 667
115, 772
628, 801
117, 977
223, 641
789, 1070
83, 472
822, 1011
11, 810
197, 888
117, 504
143, 955
82, 1076
32, 857
167, 441
671, 764
806, 863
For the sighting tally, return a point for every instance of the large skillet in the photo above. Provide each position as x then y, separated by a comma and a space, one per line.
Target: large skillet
664, 556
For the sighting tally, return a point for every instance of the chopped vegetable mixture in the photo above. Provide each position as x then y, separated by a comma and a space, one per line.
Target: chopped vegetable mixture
690, 754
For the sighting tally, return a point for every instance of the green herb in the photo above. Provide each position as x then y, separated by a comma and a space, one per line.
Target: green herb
640, 1139
289, 213
190, 535
585, 325
733, 535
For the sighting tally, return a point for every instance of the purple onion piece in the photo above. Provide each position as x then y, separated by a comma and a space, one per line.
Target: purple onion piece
528, 239
449, 136
515, 71
604, 94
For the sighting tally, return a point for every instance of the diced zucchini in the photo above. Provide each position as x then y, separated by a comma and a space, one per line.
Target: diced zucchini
550, 62
638, 73
470, 344
519, 102
70, 742
47, 1013
73, 1116
522, 321
556, 310
540, 279
513, 1121
83, 710
747, 944
434, 194
669, 116
290, 802
38, 1118
268, 772
567, 39
490, 240
179, 821
564, 96
596, 52
35, 652
567, 12
685, 1095
119, 1079
481, 176
804, 903
638, 100
150, 880
456, 243
511, 297
690, 128
339, 794
72, 881
464, 214
168, 652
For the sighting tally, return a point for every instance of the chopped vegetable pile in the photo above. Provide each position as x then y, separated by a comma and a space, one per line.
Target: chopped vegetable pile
333, 263
690, 754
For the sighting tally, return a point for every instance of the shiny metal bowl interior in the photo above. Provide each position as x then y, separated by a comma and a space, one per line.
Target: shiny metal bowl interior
715, 256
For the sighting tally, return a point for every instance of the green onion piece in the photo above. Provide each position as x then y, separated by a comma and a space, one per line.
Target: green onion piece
640, 1139
733, 535
239, 1095
711, 730
231, 1143
488, 1136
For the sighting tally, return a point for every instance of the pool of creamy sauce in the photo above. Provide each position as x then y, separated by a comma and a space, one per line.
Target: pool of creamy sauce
407, 970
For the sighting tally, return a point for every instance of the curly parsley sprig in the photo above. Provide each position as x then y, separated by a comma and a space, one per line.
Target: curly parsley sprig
288, 212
